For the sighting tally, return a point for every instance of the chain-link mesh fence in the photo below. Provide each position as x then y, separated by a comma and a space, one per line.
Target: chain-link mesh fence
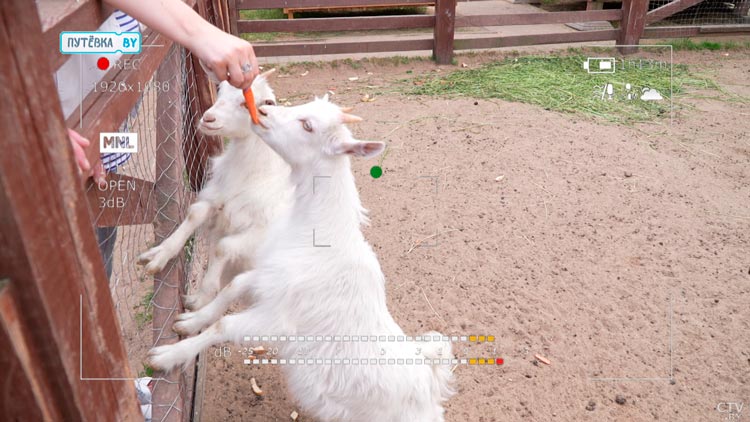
705, 12
680, 19
164, 119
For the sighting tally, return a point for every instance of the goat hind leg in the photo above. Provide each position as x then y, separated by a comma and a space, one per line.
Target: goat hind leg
228, 249
229, 328
191, 322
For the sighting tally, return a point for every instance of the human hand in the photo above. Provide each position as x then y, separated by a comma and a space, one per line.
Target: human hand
80, 144
227, 57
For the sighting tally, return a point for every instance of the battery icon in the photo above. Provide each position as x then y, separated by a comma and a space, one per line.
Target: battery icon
599, 65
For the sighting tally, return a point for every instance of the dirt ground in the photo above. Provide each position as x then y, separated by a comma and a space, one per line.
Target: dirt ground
618, 253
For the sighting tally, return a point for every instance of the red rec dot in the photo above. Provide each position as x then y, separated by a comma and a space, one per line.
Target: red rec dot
499, 361
102, 63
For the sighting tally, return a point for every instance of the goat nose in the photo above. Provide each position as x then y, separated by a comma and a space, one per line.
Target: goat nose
262, 111
208, 118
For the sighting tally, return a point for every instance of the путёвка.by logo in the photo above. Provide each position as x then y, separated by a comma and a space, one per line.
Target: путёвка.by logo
118, 142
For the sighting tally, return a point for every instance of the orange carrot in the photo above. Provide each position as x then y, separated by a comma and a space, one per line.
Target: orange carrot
250, 101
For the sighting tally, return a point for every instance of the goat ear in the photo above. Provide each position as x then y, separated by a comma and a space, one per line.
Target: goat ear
350, 118
366, 149
267, 73
325, 97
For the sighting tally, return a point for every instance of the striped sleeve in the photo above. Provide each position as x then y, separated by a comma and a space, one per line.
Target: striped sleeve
127, 23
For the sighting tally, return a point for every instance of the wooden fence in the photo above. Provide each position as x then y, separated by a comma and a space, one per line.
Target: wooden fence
63, 354
632, 17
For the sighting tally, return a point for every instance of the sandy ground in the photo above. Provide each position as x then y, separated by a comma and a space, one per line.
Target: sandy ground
618, 253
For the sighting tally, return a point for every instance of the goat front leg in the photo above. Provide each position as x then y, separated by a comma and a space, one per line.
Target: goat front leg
229, 328
157, 257
228, 249
191, 322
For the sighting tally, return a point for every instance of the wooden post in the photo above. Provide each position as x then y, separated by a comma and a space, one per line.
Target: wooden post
169, 404
445, 19
632, 24
198, 148
232, 15
58, 328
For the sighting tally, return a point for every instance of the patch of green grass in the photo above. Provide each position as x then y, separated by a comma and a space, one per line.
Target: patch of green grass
189, 249
688, 44
144, 310
147, 371
251, 15
560, 83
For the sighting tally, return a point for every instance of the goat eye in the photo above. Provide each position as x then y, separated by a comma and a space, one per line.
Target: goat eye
270, 102
306, 125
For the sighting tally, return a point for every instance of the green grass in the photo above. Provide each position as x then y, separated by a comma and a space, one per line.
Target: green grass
144, 310
683, 44
262, 14
189, 249
147, 371
559, 83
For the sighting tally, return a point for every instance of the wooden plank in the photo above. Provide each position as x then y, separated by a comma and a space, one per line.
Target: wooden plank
538, 18
445, 20
68, 15
669, 9
632, 24
671, 32
724, 29
167, 396
275, 50
354, 6
291, 4
49, 247
359, 23
105, 111
535, 39
25, 394
200, 384
125, 201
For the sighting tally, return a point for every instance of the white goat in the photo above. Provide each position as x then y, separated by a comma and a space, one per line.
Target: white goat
316, 276
248, 186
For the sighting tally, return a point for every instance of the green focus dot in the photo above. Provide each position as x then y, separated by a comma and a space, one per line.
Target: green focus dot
376, 171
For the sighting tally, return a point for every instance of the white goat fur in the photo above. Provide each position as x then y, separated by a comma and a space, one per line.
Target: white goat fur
302, 290
248, 186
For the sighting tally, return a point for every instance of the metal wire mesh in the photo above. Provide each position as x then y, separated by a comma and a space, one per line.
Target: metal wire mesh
706, 12
163, 128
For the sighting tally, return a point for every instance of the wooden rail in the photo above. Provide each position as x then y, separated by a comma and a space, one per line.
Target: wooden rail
633, 18
359, 23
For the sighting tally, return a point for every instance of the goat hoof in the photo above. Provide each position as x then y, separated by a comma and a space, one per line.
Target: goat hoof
154, 259
160, 358
148, 256
187, 324
195, 302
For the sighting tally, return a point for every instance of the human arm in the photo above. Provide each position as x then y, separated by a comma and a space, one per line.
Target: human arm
222, 53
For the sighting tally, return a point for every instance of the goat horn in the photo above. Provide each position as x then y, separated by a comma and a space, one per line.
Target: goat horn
347, 109
350, 118
268, 73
